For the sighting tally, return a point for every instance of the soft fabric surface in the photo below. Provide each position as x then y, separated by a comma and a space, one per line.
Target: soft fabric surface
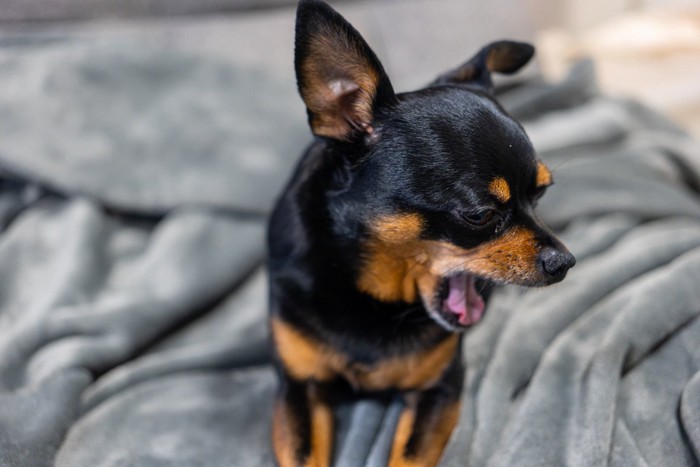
132, 298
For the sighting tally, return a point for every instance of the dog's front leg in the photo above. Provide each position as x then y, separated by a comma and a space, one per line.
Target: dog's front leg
424, 428
302, 425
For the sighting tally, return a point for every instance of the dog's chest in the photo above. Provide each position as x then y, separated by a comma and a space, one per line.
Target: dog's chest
307, 359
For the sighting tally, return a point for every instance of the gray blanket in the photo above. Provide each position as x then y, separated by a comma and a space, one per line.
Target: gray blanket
133, 194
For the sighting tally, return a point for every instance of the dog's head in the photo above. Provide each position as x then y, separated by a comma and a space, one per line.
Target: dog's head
438, 186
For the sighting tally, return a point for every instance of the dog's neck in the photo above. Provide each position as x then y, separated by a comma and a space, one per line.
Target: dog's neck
321, 263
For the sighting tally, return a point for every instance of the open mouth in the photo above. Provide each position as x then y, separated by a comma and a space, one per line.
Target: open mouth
461, 300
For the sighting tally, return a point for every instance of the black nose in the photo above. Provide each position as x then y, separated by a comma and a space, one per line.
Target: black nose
555, 262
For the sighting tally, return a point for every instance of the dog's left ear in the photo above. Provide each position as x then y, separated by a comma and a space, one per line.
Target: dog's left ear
339, 77
499, 57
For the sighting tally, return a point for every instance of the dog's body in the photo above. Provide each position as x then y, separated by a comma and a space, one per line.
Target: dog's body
398, 215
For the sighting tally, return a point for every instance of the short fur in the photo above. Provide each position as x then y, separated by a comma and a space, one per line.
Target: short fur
399, 197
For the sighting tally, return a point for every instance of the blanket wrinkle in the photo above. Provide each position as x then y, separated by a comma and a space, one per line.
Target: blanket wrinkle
669, 379
212, 344
688, 413
628, 338
624, 450
95, 314
133, 301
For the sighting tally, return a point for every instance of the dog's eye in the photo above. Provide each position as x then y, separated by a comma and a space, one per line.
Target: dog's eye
479, 218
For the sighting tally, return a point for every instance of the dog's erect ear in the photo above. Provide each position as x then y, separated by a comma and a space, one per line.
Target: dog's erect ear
340, 79
500, 57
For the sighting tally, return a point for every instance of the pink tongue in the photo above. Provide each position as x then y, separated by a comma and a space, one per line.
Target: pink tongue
463, 300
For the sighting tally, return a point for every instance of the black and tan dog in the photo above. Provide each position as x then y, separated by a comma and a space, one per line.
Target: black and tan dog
400, 213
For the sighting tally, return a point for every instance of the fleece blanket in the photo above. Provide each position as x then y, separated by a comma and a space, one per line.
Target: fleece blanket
133, 194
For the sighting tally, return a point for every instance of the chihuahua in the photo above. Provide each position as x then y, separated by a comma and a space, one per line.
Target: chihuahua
400, 215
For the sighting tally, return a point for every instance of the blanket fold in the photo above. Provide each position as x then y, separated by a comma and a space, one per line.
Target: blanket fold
133, 189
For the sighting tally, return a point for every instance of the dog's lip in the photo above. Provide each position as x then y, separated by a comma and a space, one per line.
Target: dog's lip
458, 304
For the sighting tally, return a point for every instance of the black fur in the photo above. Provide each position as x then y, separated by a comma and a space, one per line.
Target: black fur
432, 152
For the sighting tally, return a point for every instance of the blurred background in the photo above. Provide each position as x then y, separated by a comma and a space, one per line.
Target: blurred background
646, 49
142, 146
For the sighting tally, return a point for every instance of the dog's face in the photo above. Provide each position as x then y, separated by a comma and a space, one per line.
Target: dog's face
442, 182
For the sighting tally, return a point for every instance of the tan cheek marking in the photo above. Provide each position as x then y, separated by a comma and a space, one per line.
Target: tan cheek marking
393, 258
544, 176
302, 357
402, 265
511, 257
500, 189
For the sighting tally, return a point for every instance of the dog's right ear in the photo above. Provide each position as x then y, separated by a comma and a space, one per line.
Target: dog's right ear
498, 57
340, 79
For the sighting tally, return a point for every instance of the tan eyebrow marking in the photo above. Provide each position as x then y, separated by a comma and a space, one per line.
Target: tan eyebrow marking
544, 176
500, 189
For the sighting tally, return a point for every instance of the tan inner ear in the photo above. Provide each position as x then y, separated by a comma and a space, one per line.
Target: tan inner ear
507, 57
339, 88
498, 59
465, 73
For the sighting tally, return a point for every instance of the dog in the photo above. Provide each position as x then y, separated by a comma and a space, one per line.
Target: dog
400, 215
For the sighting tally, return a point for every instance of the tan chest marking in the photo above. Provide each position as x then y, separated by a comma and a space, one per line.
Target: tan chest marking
303, 357
307, 359
418, 370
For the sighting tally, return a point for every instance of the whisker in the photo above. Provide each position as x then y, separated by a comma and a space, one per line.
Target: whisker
409, 312
565, 161
464, 263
